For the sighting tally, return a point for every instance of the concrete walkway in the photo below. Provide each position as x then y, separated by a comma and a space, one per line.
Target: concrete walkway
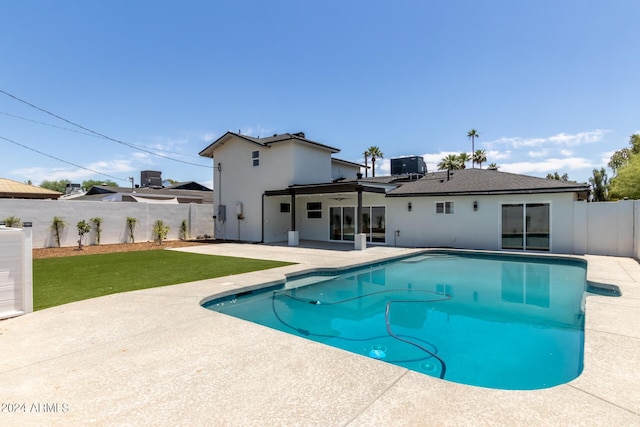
156, 357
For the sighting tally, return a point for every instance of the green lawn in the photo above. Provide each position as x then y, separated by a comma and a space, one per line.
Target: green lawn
61, 280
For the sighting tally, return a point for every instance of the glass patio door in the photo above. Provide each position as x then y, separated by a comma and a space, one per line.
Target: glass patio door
342, 223
526, 226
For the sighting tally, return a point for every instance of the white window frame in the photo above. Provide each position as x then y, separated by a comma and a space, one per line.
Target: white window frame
448, 208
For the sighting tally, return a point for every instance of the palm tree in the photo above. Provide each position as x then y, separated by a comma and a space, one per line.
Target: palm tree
451, 162
473, 134
366, 166
464, 158
480, 156
492, 166
374, 152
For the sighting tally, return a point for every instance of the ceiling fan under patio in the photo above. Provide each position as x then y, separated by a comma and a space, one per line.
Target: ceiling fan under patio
339, 198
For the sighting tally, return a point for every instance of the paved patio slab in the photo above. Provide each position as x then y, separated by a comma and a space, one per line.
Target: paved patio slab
156, 357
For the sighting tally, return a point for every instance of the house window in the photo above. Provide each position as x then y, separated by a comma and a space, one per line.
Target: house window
255, 156
526, 226
444, 207
314, 210
285, 207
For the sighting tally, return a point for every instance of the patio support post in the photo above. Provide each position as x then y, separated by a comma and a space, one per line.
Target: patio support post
293, 211
360, 239
359, 212
293, 235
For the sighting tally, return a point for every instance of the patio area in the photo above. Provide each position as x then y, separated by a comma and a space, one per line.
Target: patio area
156, 357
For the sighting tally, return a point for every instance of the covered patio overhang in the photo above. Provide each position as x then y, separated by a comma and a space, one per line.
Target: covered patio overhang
327, 188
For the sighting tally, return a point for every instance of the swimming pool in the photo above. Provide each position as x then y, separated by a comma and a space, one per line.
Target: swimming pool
507, 322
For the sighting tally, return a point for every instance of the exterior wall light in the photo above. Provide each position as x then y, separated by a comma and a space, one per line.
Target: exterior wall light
409, 206
475, 205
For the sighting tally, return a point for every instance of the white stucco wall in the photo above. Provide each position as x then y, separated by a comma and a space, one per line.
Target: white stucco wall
469, 229
239, 182
343, 170
114, 214
312, 165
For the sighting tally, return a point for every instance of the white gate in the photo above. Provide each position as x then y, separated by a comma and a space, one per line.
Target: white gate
16, 272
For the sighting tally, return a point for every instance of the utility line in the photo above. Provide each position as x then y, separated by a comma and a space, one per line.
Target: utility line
98, 133
60, 160
90, 134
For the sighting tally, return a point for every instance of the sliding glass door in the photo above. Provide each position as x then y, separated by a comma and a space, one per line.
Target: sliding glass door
342, 224
526, 226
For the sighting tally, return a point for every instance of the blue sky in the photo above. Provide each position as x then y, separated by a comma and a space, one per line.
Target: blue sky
549, 85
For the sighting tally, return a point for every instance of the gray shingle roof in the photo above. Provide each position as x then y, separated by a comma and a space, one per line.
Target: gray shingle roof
266, 141
481, 181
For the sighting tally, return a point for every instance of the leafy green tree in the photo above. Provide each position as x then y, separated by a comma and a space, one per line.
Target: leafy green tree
374, 152
634, 141
627, 181
83, 228
599, 185
556, 176
59, 186
160, 231
479, 157
473, 134
450, 162
619, 159
86, 185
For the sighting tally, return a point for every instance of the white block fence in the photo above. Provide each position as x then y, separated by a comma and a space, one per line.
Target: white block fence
199, 219
16, 271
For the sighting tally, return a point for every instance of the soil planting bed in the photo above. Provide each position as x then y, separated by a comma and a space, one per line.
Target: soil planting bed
105, 249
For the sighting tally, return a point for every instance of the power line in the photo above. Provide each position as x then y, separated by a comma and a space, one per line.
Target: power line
98, 133
61, 160
90, 134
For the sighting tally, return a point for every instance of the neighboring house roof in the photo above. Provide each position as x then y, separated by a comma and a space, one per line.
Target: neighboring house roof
265, 142
108, 193
481, 181
17, 190
187, 185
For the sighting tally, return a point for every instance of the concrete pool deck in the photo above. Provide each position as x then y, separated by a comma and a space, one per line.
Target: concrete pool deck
156, 357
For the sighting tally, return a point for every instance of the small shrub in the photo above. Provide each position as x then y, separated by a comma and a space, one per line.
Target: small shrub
160, 231
57, 225
131, 224
13, 222
97, 226
83, 228
183, 230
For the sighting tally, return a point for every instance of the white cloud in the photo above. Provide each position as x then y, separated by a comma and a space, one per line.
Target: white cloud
539, 153
548, 165
566, 153
558, 140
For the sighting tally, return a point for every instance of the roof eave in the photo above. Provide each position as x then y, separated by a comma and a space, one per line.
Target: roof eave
491, 192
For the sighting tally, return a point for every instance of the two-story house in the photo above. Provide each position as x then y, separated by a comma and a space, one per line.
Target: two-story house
288, 187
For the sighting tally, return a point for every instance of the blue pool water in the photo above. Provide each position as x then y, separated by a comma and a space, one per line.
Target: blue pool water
502, 322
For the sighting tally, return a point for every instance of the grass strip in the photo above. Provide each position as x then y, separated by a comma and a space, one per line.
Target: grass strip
59, 281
